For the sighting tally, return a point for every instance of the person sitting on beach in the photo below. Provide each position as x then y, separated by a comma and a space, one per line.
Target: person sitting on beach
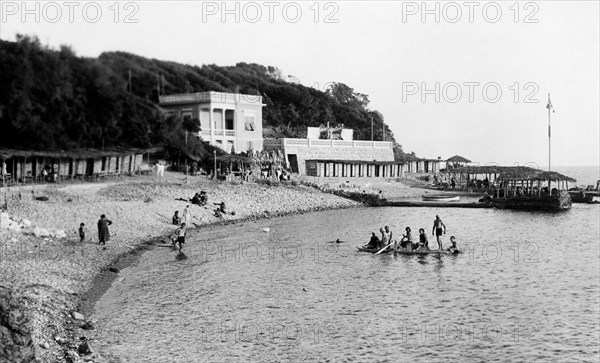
176, 218
454, 248
374, 242
203, 198
180, 233
221, 210
196, 199
423, 242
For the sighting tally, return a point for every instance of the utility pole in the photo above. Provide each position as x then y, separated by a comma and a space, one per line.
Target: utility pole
186, 157
215, 169
371, 128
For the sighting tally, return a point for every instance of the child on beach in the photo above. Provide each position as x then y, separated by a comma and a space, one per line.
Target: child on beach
81, 232
176, 218
180, 233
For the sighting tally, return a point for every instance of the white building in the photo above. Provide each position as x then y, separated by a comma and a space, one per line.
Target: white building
227, 120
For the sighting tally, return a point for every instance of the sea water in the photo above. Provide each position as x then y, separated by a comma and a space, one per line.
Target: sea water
525, 288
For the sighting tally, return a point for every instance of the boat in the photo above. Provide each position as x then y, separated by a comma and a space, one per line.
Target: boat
424, 252
521, 187
407, 252
365, 249
440, 198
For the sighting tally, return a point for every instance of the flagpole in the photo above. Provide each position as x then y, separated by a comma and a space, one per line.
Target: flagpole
549, 133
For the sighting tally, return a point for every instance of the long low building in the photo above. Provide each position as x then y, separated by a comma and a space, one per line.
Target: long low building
354, 168
298, 151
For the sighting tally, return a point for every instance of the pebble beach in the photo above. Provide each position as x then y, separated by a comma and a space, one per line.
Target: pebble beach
50, 278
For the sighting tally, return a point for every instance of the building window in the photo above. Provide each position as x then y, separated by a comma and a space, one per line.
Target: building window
249, 145
218, 119
229, 117
249, 122
230, 148
205, 119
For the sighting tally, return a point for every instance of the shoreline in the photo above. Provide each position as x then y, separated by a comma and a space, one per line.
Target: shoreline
55, 282
104, 279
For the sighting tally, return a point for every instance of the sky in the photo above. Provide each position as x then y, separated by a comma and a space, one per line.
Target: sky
467, 77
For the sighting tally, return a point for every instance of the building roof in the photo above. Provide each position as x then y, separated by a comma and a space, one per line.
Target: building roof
206, 97
75, 153
458, 159
512, 173
361, 162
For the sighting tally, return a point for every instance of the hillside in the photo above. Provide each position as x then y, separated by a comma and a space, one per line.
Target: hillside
53, 99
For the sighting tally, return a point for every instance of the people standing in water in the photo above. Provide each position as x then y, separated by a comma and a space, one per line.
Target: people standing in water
438, 230
454, 248
103, 233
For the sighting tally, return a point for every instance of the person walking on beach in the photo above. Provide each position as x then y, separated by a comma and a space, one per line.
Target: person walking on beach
81, 232
437, 230
103, 233
180, 233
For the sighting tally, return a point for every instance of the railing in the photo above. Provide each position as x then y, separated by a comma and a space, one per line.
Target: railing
218, 133
210, 96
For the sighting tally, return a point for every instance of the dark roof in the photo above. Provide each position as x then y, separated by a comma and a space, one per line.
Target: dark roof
75, 153
509, 173
458, 159
362, 162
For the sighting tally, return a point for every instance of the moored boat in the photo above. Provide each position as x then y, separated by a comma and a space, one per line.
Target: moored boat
520, 187
440, 198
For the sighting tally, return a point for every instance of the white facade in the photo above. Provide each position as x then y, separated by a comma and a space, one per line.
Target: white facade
230, 121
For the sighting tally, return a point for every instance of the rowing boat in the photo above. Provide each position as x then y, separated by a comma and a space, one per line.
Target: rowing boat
365, 249
373, 250
440, 198
408, 252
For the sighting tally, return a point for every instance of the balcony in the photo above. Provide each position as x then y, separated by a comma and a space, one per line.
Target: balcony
227, 133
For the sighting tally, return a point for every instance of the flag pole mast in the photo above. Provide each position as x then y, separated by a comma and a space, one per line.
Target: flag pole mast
549, 149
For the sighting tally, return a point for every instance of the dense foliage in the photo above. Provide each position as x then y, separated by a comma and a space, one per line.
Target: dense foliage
52, 99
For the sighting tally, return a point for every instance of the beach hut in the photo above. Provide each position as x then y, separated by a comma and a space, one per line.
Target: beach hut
456, 161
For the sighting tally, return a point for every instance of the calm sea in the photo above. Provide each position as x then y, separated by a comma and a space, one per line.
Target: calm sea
526, 288
585, 175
